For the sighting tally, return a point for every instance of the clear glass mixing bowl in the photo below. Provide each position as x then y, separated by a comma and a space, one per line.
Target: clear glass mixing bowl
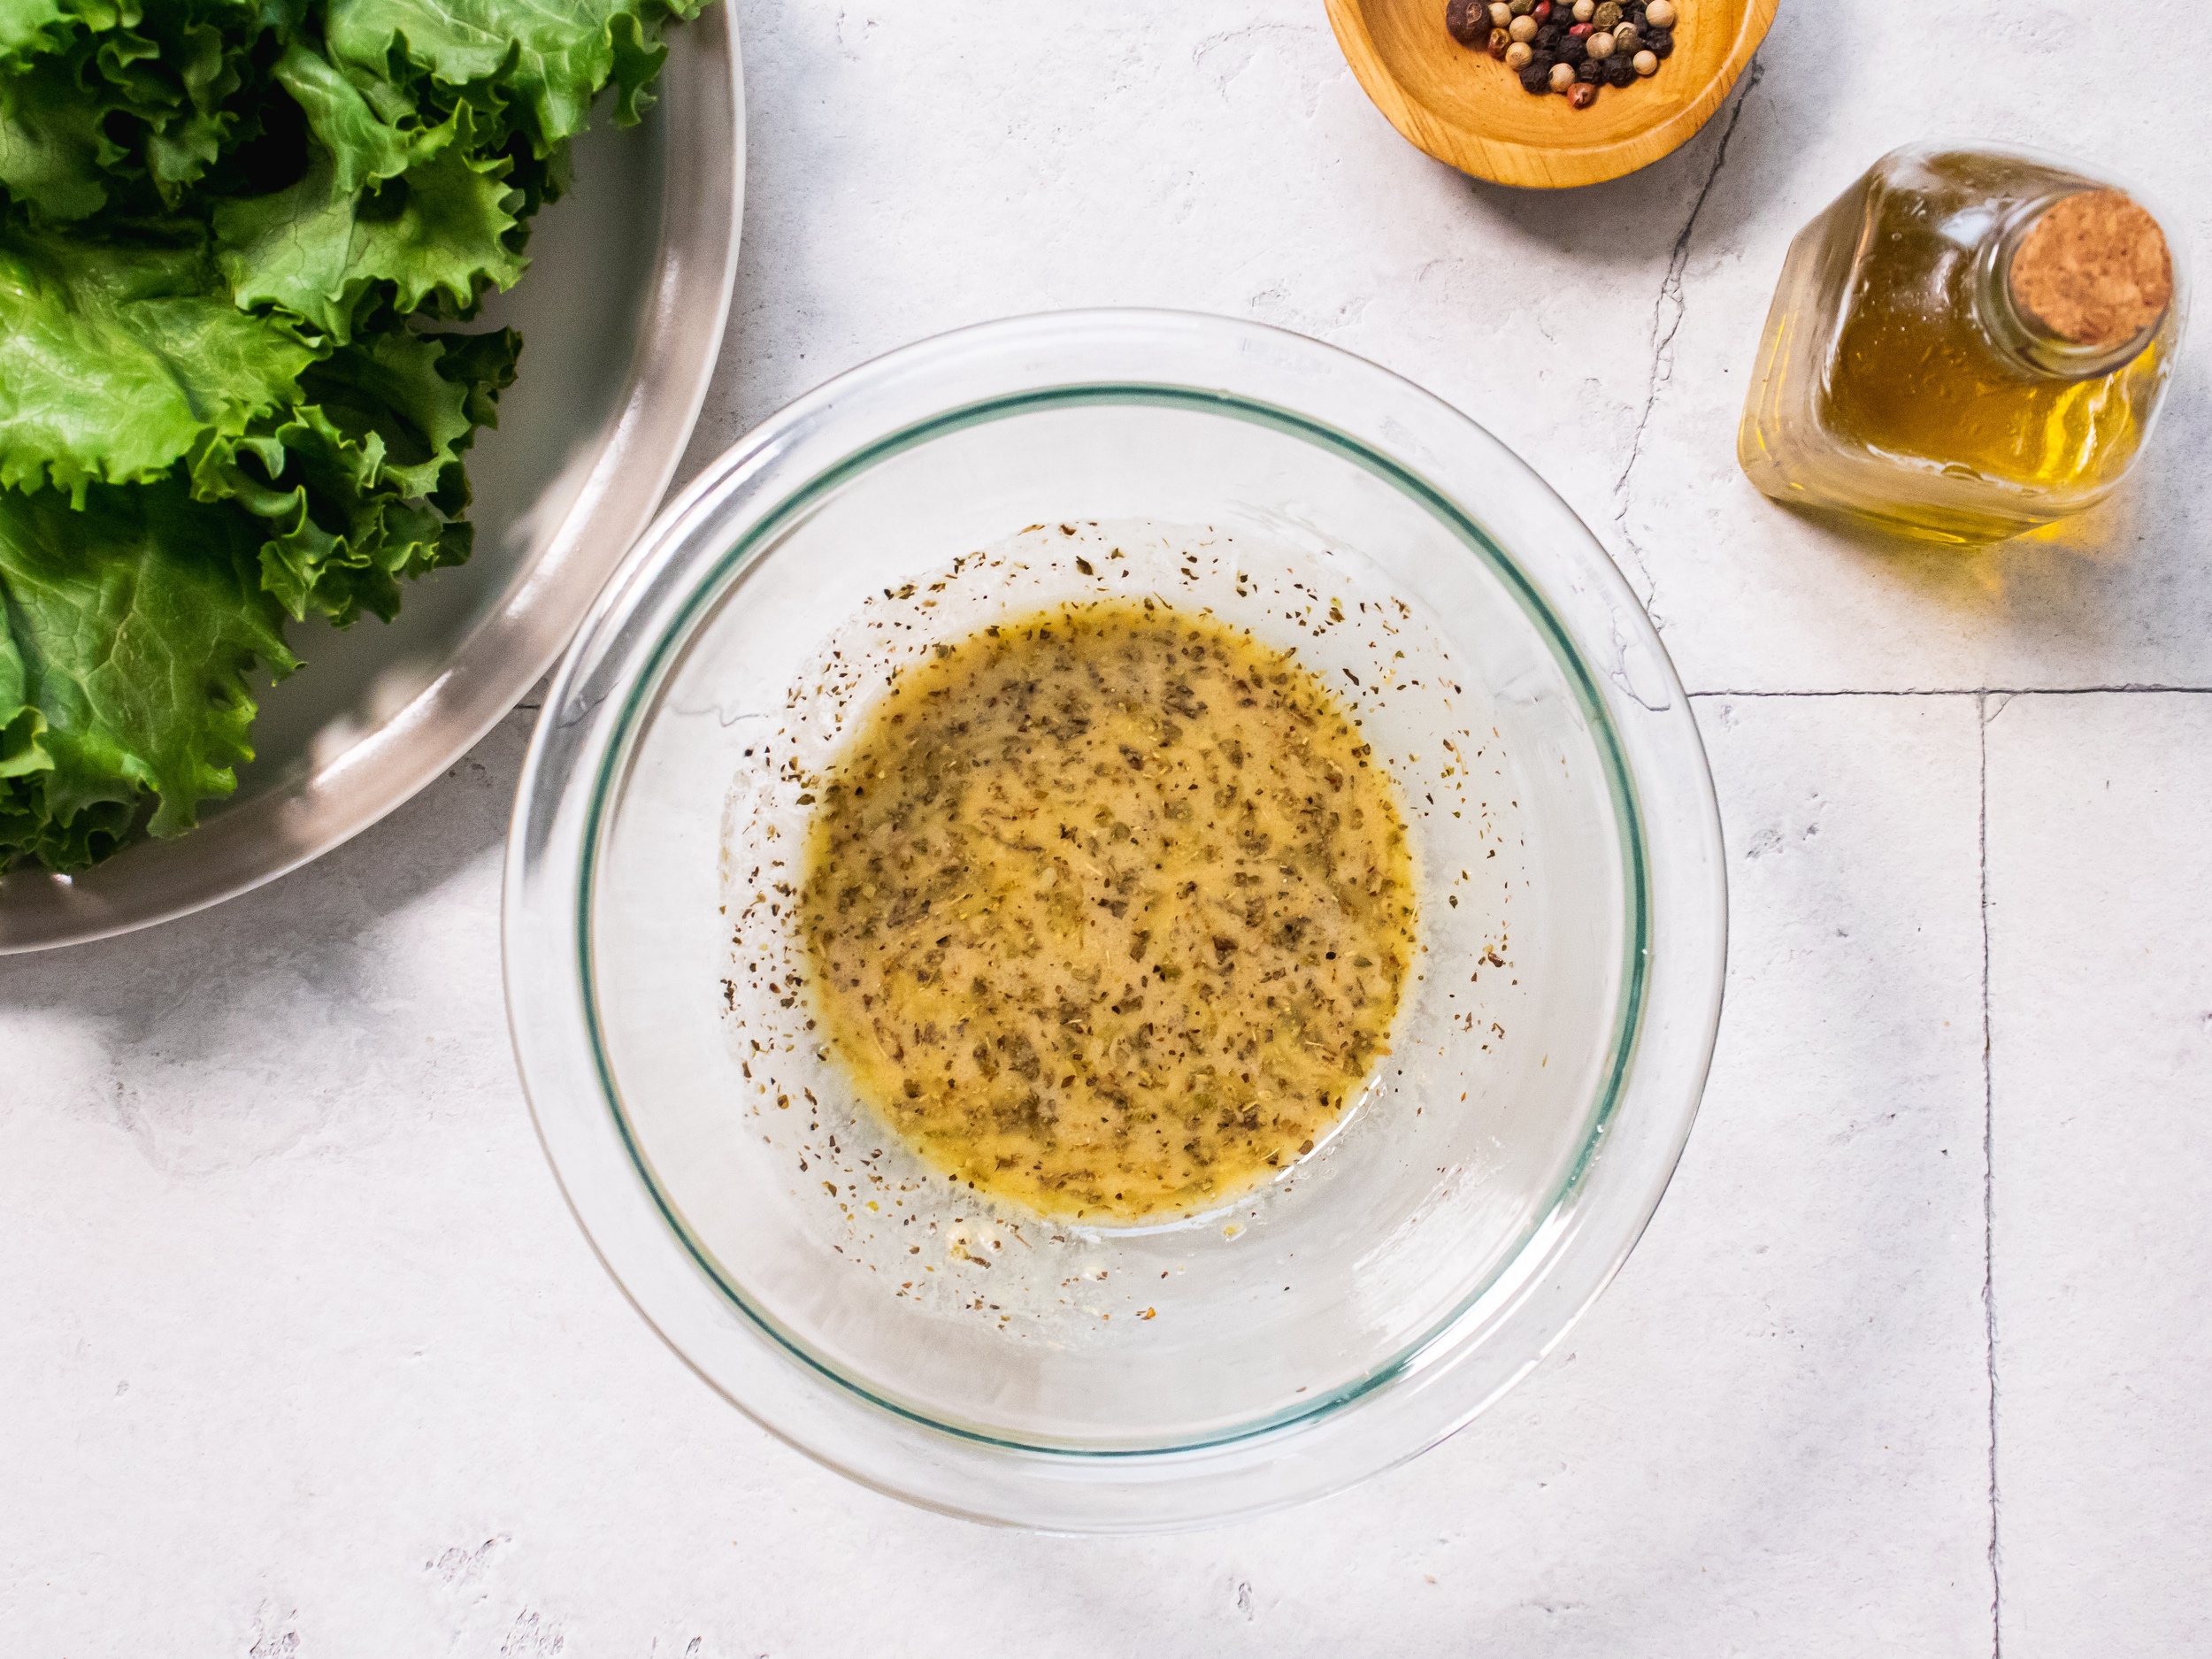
1380, 1291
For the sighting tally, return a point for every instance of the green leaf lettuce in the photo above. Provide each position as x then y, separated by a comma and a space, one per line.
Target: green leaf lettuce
133, 622
231, 233
115, 361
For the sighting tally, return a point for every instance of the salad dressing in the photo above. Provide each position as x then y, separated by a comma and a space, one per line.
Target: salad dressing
1108, 910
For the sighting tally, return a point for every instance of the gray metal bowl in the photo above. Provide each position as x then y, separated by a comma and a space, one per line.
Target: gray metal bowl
622, 314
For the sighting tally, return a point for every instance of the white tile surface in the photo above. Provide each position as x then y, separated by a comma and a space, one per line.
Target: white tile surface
914, 168
305, 1344
2101, 1006
307, 1358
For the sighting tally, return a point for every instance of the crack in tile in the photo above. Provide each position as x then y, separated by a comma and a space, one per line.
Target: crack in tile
1667, 312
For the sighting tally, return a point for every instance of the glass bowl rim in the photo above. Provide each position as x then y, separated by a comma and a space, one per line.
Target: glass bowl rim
683, 570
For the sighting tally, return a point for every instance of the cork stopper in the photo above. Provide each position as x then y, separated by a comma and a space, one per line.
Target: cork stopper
2093, 270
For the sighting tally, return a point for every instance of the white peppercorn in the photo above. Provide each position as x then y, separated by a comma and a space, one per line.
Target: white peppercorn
1660, 14
1522, 28
1517, 56
1646, 63
1562, 76
1500, 14
1583, 10
1600, 45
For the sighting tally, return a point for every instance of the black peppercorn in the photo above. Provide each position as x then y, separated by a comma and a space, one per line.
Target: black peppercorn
1549, 45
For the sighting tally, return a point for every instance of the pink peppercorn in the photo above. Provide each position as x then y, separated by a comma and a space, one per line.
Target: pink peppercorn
1580, 30
1582, 95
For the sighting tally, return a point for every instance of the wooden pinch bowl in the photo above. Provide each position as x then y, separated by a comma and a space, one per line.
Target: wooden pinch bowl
1468, 109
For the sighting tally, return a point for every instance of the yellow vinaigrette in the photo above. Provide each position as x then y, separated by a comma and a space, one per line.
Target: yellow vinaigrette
1108, 910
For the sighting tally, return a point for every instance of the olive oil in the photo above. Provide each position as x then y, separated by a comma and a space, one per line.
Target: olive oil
1967, 344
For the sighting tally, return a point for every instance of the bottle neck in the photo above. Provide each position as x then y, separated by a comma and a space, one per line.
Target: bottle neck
2032, 347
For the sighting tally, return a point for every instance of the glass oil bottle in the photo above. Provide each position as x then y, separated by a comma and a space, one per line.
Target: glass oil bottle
1967, 344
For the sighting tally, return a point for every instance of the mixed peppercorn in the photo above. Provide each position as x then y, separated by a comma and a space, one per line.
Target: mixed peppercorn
1569, 46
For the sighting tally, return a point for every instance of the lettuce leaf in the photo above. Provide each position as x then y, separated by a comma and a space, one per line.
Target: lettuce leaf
352, 489
435, 232
423, 398
116, 362
179, 93
366, 149
339, 541
132, 624
54, 147
29, 30
115, 115
546, 57
35, 28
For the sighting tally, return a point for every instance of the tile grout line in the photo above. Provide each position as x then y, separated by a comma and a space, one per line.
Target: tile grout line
1989, 1195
